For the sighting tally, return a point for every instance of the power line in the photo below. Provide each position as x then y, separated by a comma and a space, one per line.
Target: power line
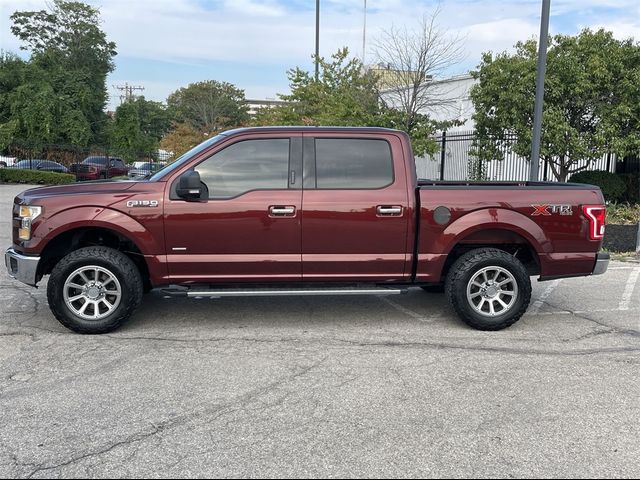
127, 90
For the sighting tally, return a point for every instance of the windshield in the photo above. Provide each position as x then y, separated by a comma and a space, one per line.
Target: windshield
185, 157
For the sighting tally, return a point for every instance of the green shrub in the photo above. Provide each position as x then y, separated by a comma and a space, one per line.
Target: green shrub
623, 214
632, 180
14, 175
613, 187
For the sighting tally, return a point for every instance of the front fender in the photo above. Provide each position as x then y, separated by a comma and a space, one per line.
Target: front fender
94, 217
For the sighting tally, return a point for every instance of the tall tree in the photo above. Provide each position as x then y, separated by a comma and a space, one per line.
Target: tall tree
589, 95
209, 106
344, 94
70, 59
408, 62
138, 127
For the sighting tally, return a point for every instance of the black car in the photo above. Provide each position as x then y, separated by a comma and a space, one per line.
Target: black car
42, 165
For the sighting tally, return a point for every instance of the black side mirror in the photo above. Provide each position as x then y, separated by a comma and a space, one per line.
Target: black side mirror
189, 186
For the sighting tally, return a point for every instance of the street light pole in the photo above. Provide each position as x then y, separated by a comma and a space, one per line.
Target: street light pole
317, 37
364, 32
537, 115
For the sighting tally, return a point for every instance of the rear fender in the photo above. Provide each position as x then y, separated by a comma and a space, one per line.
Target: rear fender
496, 219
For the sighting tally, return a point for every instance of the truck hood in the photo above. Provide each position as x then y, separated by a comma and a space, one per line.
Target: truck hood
81, 188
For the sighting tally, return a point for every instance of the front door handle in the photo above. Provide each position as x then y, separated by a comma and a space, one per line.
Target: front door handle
282, 211
389, 210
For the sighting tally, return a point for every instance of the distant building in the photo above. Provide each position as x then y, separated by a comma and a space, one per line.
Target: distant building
451, 101
255, 105
388, 77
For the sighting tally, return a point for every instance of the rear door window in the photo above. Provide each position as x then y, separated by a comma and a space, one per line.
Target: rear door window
353, 163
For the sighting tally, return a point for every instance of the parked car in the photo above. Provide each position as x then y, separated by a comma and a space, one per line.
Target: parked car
301, 211
6, 161
43, 165
147, 168
99, 167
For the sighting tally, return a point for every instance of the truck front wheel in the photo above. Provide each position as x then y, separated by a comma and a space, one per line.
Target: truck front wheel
94, 290
488, 288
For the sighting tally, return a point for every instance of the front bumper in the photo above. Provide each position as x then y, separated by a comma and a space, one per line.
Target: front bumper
21, 267
602, 263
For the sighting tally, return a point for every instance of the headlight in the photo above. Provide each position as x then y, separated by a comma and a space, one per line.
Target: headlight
27, 214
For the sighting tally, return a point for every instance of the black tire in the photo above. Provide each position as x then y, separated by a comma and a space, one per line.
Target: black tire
118, 264
439, 288
103, 175
466, 267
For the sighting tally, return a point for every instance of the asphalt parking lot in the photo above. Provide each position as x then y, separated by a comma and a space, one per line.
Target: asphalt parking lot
364, 386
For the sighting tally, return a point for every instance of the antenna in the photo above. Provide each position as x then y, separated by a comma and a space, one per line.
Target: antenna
126, 92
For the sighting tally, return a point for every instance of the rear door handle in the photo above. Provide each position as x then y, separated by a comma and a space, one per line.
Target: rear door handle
282, 210
389, 210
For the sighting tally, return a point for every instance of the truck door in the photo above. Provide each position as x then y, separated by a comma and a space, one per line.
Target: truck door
356, 210
248, 227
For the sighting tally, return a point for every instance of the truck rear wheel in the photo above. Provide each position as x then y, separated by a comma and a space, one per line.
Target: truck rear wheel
94, 290
488, 288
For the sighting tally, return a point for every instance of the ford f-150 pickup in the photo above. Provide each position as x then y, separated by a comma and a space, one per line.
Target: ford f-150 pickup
301, 211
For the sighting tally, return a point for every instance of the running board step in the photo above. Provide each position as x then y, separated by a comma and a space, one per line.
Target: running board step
185, 292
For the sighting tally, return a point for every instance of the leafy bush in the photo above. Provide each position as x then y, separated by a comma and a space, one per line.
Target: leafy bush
14, 175
632, 181
623, 214
613, 187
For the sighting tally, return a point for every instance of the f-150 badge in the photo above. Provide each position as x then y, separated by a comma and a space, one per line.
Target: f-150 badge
142, 203
547, 210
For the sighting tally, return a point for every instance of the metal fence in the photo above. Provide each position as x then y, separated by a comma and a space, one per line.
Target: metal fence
453, 161
85, 163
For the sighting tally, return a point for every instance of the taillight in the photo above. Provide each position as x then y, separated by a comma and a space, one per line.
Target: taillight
596, 215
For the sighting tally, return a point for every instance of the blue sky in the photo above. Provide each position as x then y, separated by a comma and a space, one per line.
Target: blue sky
165, 44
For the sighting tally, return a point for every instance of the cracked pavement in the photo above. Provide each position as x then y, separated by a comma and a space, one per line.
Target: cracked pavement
362, 386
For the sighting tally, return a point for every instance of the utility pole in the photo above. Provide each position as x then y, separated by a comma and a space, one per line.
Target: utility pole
127, 90
537, 115
317, 38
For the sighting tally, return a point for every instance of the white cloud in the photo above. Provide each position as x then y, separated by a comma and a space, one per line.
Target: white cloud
280, 33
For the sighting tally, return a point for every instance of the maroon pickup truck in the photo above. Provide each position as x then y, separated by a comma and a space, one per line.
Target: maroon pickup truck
96, 167
301, 211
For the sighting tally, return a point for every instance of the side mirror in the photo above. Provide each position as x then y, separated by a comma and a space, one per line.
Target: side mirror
189, 186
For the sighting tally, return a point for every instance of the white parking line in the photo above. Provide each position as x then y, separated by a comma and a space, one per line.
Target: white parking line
582, 312
405, 310
548, 291
628, 290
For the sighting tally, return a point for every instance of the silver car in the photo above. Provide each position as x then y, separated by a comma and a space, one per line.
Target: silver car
145, 169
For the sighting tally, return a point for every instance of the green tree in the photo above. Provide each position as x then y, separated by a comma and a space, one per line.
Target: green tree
209, 106
345, 94
62, 92
181, 138
589, 94
138, 127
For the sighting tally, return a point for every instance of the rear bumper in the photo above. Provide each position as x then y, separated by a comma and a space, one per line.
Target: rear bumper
602, 263
21, 267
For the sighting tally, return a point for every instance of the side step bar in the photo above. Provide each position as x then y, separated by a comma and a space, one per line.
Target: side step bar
185, 292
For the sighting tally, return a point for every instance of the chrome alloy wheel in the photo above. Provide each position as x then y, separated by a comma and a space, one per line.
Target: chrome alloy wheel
92, 292
492, 291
